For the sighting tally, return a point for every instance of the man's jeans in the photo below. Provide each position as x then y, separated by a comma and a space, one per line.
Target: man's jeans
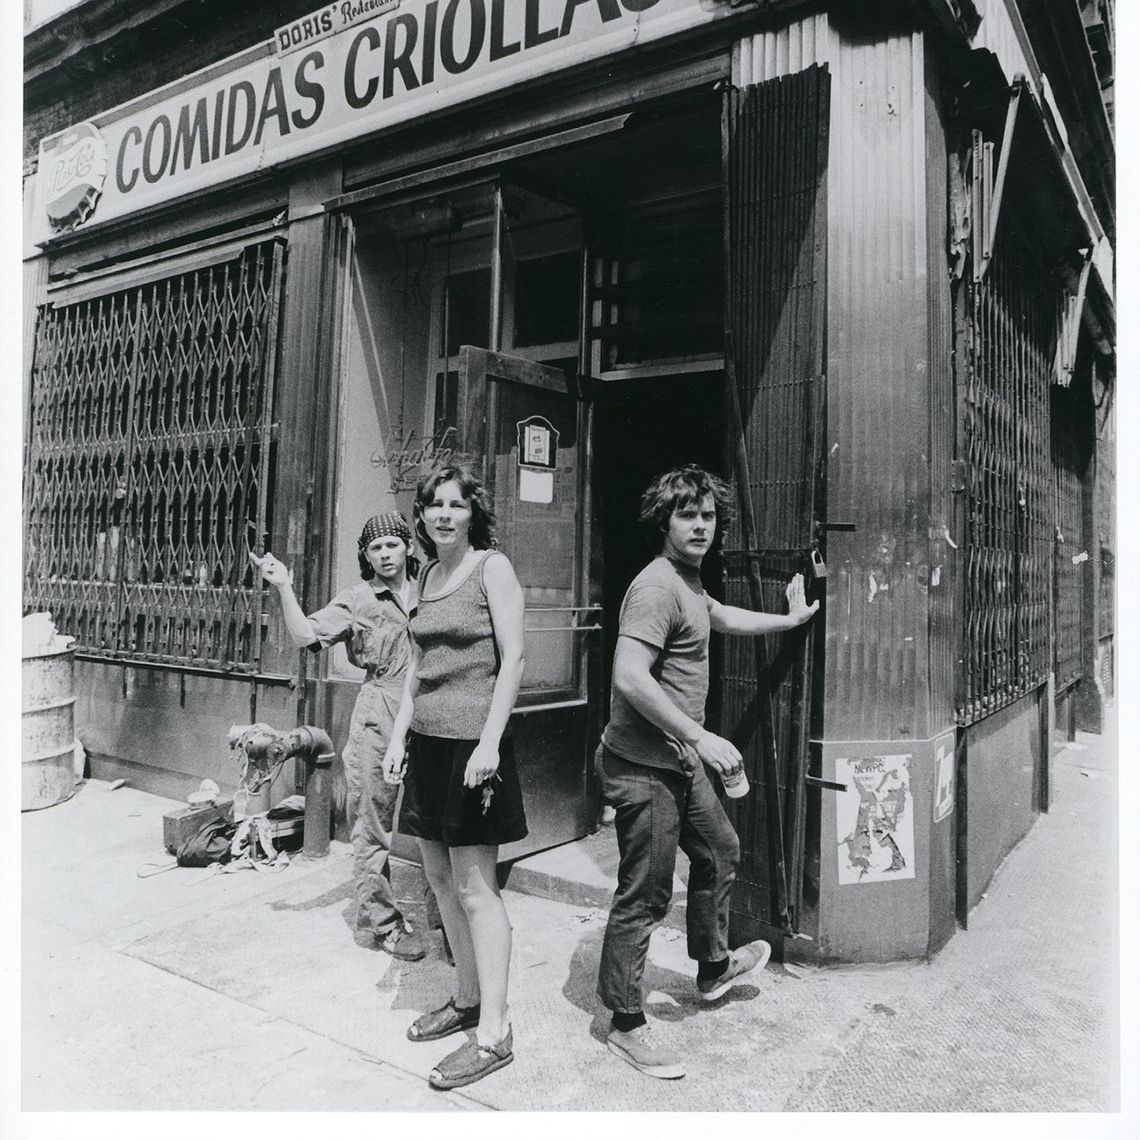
657, 810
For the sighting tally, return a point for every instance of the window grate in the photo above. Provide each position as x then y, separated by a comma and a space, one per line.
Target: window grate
1105, 506
1009, 519
149, 470
1072, 439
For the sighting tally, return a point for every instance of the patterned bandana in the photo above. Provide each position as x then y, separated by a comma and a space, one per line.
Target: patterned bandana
381, 526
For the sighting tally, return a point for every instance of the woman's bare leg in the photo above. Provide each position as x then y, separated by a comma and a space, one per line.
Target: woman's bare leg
437, 868
473, 873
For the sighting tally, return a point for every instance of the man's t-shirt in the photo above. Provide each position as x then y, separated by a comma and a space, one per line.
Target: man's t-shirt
665, 607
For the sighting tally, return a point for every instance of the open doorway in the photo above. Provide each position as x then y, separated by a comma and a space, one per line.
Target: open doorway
642, 428
593, 272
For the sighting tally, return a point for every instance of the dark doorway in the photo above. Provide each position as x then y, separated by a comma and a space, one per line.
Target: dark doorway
642, 428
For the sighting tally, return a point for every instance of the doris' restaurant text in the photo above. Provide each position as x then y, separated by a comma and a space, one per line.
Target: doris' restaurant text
405, 51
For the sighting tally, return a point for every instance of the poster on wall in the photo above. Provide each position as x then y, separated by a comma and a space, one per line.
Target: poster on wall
875, 819
944, 779
537, 458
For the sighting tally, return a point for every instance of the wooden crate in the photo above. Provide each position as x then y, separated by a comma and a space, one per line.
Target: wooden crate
179, 825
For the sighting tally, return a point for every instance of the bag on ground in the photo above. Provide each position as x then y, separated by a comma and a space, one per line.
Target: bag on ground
209, 844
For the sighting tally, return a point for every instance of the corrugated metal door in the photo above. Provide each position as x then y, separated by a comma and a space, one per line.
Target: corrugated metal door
775, 146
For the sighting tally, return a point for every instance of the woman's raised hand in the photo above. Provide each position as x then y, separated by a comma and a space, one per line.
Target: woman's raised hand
274, 571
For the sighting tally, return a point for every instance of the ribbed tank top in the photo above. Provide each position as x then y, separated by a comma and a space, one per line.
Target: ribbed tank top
459, 660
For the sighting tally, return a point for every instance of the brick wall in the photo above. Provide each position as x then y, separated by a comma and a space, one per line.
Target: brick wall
137, 54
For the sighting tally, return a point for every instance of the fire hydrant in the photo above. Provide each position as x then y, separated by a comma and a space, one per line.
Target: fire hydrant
264, 750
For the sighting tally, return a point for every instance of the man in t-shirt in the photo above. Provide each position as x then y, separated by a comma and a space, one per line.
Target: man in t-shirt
652, 759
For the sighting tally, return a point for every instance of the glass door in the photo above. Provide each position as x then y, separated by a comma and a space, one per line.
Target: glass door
526, 422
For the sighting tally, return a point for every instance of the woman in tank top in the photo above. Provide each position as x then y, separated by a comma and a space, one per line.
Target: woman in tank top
451, 745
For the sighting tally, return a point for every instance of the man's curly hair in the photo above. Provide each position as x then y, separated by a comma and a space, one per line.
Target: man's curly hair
682, 487
481, 534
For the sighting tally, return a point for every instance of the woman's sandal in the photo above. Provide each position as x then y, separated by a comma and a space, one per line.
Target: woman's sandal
443, 1022
471, 1062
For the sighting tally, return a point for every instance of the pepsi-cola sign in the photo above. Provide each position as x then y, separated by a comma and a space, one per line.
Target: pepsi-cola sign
74, 175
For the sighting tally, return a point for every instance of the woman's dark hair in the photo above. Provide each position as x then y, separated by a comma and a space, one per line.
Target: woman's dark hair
481, 534
411, 567
679, 488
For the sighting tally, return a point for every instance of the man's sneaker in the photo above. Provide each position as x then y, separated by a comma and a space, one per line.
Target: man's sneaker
641, 1048
741, 963
402, 942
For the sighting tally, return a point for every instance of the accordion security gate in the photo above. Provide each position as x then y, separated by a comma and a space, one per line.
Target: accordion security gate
148, 474
775, 153
1004, 414
1072, 440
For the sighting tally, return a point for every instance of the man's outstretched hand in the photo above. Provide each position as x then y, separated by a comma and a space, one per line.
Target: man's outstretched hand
798, 609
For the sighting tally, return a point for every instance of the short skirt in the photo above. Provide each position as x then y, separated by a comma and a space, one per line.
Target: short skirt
437, 806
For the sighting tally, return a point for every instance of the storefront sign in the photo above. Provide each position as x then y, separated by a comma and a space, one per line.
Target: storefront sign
538, 443
875, 819
327, 22
328, 87
414, 457
537, 458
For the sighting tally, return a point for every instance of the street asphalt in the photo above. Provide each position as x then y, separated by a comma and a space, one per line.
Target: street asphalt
189, 989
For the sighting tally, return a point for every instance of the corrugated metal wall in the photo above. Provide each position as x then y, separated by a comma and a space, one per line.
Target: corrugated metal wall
783, 51
942, 579
878, 397
879, 371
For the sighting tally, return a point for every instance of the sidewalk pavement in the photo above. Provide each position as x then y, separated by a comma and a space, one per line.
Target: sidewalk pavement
192, 989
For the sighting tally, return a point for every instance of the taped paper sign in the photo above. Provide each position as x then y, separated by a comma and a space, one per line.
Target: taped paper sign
536, 486
944, 788
875, 819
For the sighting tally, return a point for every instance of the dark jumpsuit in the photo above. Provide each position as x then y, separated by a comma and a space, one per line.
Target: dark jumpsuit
373, 626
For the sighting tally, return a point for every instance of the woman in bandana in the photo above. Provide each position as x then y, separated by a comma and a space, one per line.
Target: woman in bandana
371, 619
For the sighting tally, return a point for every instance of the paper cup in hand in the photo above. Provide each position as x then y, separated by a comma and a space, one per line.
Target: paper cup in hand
735, 783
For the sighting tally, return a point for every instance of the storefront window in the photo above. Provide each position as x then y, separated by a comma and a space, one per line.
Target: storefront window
547, 299
657, 287
421, 293
467, 297
446, 417
150, 471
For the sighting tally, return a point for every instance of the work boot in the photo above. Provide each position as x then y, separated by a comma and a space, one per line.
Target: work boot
402, 942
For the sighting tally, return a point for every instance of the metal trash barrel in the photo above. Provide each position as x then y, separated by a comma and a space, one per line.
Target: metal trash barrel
48, 728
